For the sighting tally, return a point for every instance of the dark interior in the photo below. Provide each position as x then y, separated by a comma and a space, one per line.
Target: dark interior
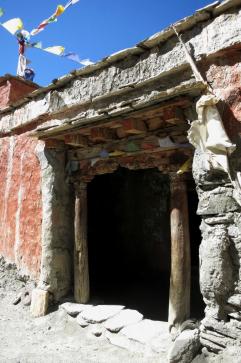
129, 241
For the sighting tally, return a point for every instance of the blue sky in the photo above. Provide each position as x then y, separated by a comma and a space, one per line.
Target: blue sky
93, 29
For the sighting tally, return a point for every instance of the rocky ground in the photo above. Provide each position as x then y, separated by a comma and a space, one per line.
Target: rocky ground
58, 337
75, 333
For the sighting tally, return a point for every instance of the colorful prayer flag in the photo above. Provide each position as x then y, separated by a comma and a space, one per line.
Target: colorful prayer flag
13, 25
1, 12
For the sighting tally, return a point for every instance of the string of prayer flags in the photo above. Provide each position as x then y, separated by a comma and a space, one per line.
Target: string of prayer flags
13, 25
60, 51
53, 18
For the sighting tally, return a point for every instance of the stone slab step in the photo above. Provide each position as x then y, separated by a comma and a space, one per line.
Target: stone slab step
123, 319
74, 309
145, 330
100, 313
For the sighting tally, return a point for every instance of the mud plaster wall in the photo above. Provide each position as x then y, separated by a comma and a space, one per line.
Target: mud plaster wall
224, 75
57, 223
20, 203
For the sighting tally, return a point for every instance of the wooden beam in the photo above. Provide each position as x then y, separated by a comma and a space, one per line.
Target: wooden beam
155, 123
98, 135
76, 140
143, 114
95, 151
134, 127
54, 144
81, 265
179, 293
173, 115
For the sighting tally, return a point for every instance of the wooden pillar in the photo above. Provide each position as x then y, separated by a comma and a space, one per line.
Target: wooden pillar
81, 265
179, 294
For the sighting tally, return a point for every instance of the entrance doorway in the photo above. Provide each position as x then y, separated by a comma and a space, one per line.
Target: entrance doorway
129, 240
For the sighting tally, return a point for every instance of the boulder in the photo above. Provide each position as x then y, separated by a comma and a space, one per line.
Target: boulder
39, 303
185, 347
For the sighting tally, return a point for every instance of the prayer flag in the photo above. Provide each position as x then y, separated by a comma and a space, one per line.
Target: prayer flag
75, 57
13, 25
1, 12
71, 2
36, 45
57, 50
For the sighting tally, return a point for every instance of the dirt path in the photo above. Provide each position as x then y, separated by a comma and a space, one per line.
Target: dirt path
56, 337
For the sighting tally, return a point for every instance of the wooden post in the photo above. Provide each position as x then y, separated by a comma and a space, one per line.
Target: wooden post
179, 294
81, 265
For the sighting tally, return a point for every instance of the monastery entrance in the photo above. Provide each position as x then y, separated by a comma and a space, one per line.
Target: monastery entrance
131, 177
129, 241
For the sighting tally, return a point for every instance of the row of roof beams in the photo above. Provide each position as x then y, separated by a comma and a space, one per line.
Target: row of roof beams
210, 11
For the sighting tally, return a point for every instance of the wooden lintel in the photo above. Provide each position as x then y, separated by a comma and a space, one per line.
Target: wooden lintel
173, 115
143, 114
141, 143
134, 127
166, 162
54, 144
155, 123
76, 140
98, 134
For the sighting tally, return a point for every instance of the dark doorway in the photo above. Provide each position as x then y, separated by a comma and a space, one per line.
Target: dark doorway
129, 240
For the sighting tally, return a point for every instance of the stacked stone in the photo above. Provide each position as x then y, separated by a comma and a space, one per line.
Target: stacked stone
220, 256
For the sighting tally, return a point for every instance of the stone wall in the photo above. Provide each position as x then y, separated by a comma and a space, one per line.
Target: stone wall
20, 203
220, 250
220, 256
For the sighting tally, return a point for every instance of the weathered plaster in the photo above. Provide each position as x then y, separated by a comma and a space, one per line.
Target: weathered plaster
57, 223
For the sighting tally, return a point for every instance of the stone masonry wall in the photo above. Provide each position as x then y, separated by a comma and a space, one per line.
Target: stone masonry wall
20, 203
220, 250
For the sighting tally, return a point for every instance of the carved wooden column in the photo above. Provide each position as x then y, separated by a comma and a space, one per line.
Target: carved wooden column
179, 295
81, 265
